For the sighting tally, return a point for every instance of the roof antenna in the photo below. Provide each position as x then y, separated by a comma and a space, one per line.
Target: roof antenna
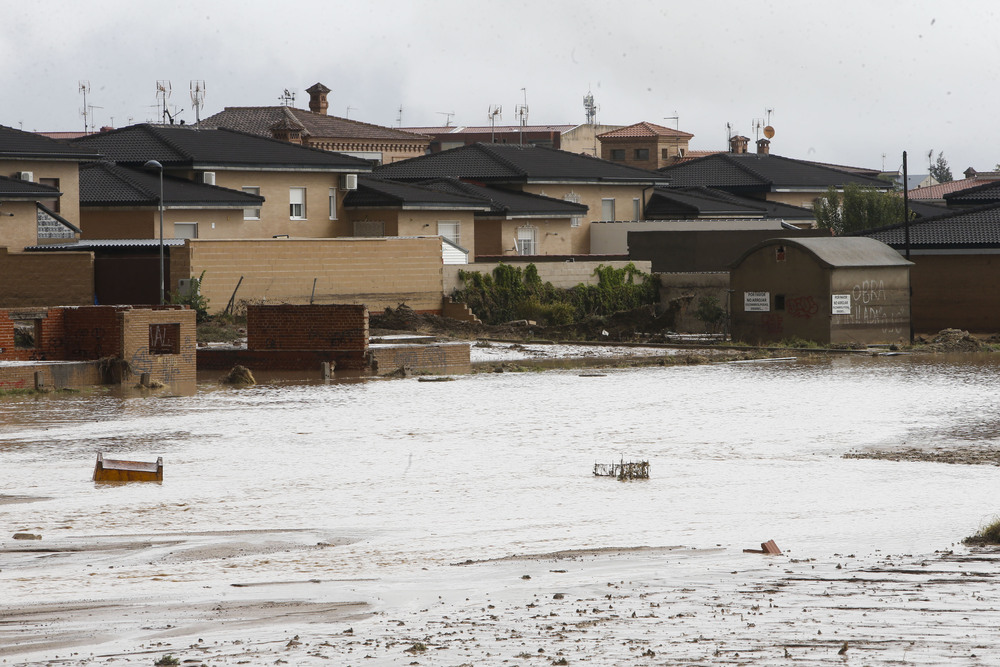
590, 108
493, 113
447, 117
163, 90
676, 119
197, 98
84, 89
399, 117
522, 115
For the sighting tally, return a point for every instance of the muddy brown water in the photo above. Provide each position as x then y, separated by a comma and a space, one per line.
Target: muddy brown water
353, 505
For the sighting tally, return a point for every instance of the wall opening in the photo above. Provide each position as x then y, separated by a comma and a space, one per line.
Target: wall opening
165, 338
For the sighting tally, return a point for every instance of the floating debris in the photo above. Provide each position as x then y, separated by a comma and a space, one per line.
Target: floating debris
769, 548
110, 470
623, 470
239, 375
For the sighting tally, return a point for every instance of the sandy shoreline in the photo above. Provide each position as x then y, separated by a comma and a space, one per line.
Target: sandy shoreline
608, 605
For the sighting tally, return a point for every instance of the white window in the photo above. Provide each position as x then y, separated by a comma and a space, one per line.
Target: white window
297, 203
451, 230
251, 213
333, 203
608, 210
526, 240
636, 209
185, 230
574, 198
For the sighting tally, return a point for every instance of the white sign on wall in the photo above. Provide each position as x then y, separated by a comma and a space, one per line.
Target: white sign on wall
757, 302
840, 304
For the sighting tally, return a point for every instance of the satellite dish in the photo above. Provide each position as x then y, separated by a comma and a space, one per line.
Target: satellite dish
768, 131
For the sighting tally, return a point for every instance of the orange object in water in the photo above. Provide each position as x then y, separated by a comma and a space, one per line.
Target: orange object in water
110, 470
769, 548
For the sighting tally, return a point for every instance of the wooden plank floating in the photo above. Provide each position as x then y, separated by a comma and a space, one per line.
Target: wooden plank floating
623, 470
111, 470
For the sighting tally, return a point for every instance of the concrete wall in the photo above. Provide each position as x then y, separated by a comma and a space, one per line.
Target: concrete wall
560, 274
39, 279
880, 305
376, 272
57, 375
683, 292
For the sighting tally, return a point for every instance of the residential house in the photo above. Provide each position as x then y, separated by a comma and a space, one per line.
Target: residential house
956, 259
302, 188
703, 203
39, 189
764, 176
316, 129
644, 145
610, 191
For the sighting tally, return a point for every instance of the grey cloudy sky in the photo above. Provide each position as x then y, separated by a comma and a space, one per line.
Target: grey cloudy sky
848, 81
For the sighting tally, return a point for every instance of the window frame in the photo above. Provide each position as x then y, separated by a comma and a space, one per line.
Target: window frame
526, 238
457, 240
333, 203
617, 154
303, 212
251, 190
606, 204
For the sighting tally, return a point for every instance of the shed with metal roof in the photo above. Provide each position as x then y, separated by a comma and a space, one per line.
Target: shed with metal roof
837, 290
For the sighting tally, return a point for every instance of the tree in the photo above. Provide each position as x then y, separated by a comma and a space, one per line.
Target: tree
857, 208
940, 169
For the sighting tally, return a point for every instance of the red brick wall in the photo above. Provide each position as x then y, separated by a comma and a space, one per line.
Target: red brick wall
92, 332
307, 327
48, 337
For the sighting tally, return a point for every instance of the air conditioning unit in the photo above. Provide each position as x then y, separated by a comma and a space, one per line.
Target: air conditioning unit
349, 181
26, 175
208, 178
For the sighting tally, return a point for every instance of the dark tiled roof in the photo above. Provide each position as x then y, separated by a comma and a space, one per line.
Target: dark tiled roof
508, 163
969, 228
378, 192
696, 201
508, 202
186, 146
107, 184
259, 120
16, 144
15, 188
762, 172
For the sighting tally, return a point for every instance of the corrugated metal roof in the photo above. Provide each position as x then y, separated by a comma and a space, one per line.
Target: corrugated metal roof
91, 244
838, 251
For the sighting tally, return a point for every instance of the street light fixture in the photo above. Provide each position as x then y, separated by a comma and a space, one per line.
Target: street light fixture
153, 164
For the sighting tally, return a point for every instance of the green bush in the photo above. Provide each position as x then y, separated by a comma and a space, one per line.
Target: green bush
194, 299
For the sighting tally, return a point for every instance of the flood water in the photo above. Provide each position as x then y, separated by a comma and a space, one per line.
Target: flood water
415, 475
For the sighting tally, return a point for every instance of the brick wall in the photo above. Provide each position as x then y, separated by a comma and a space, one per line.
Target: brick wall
440, 358
376, 272
136, 340
48, 334
216, 359
92, 332
81, 374
307, 327
44, 279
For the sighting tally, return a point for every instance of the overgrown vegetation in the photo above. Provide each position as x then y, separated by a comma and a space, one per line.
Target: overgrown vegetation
711, 313
857, 208
194, 299
510, 293
988, 534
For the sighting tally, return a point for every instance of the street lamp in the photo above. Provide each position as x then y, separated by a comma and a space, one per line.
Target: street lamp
153, 164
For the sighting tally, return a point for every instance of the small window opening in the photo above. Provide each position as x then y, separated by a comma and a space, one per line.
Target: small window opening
779, 301
779, 253
165, 338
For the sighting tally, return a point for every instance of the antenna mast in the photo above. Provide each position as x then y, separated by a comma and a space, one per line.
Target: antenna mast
84, 89
197, 98
399, 117
522, 115
494, 113
590, 108
163, 90
447, 117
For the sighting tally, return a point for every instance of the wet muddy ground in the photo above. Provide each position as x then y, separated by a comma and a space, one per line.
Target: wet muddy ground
310, 524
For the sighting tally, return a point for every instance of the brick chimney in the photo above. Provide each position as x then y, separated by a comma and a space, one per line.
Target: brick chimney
317, 98
738, 144
763, 146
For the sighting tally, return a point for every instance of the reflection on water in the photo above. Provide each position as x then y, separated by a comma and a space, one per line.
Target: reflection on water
494, 464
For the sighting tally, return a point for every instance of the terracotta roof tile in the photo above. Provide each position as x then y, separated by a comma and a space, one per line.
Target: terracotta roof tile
644, 129
259, 120
941, 189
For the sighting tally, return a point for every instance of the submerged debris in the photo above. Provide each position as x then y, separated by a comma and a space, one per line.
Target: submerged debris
623, 470
239, 375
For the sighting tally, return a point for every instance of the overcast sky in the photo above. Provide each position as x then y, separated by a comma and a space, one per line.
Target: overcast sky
848, 81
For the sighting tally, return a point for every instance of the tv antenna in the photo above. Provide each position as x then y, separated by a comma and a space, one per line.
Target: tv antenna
590, 108
930, 157
347, 112
90, 108
197, 98
522, 116
447, 117
287, 98
84, 89
399, 117
493, 113
163, 90
676, 119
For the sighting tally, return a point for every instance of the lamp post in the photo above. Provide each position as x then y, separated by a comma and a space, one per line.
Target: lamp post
153, 164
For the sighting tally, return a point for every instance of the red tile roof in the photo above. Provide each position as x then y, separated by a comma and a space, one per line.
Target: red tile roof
644, 129
940, 190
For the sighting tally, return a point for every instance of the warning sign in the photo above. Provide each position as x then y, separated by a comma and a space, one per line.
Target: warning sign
757, 302
840, 304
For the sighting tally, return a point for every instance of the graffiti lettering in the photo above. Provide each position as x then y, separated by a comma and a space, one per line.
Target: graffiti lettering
803, 306
773, 323
869, 291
